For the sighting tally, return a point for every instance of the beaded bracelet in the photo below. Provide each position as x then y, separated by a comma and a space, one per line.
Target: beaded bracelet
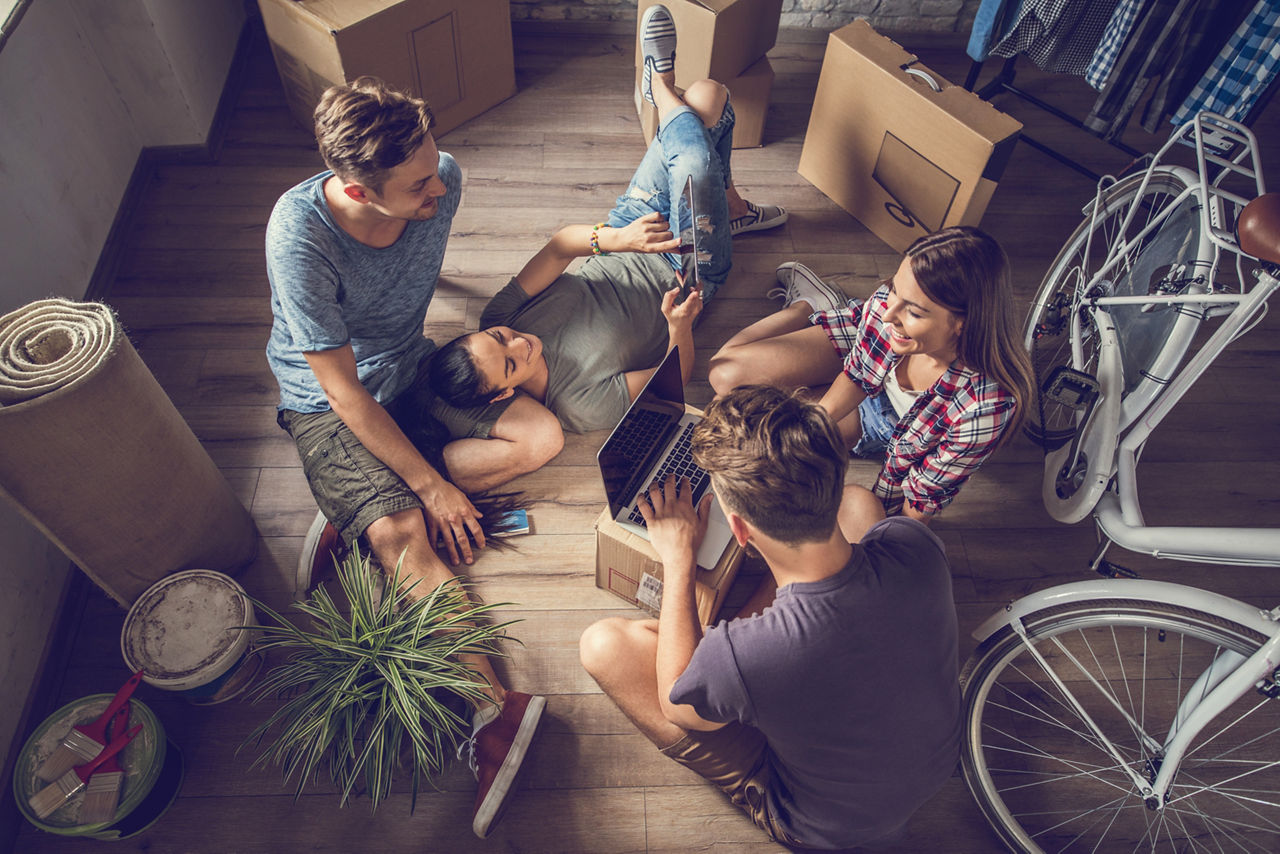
595, 239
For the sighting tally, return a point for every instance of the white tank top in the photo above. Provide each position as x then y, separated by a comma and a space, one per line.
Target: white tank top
899, 398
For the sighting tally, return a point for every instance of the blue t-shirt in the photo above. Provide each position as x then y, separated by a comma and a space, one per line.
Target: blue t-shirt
328, 289
852, 680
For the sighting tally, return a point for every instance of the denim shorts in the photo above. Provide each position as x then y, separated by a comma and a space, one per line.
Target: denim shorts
352, 487
877, 418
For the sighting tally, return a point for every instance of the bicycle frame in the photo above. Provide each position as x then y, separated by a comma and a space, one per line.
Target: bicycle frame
1206, 698
1120, 432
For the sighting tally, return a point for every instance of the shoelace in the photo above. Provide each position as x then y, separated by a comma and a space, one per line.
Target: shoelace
470, 747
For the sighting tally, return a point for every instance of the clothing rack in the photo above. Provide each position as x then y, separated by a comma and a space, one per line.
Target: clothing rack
1003, 82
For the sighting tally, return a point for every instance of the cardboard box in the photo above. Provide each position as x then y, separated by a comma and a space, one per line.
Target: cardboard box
454, 53
718, 39
749, 94
904, 159
627, 565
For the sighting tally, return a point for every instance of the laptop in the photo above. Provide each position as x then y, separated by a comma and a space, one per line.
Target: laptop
651, 440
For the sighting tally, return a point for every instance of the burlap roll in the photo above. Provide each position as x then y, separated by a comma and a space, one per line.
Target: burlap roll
94, 454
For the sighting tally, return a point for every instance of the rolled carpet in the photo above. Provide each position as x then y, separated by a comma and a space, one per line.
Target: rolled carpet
95, 455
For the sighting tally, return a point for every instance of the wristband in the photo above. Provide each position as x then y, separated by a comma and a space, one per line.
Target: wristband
595, 239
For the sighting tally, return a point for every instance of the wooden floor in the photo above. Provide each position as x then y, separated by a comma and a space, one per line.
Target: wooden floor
193, 291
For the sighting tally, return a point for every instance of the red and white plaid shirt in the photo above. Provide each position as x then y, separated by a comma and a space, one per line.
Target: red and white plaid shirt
949, 429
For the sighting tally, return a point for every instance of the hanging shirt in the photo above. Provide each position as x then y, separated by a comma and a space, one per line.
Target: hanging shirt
1057, 35
1243, 69
1113, 41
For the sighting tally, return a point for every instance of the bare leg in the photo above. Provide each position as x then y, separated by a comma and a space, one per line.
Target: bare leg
782, 349
526, 437
406, 533
859, 510
622, 656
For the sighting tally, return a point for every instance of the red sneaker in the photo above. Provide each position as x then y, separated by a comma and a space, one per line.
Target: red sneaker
499, 743
322, 546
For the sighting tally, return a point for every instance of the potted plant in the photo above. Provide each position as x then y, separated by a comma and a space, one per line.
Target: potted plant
372, 687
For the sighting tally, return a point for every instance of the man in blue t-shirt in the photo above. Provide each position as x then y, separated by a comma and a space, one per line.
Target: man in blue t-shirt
353, 255
829, 709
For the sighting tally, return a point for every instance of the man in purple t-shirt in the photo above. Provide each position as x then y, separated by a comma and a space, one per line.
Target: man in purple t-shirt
829, 708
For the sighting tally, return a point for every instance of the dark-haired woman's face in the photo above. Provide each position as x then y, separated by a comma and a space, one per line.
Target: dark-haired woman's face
916, 323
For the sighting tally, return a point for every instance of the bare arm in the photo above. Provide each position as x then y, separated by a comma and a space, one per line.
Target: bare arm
842, 398
676, 529
650, 234
447, 509
679, 334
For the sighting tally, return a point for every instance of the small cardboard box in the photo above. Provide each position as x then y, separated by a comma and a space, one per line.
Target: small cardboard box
904, 159
455, 54
718, 39
749, 94
627, 565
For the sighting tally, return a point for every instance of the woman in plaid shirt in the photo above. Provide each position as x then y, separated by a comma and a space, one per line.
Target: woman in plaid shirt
929, 371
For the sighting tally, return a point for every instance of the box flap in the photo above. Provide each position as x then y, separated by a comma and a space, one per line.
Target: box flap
340, 14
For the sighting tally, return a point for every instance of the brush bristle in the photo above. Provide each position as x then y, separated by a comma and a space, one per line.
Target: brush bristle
45, 802
101, 797
76, 748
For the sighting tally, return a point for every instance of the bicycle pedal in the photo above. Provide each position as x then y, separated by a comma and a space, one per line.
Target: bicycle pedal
1107, 569
1071, 388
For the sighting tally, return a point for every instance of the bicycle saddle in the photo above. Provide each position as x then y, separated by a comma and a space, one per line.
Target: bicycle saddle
1258, 228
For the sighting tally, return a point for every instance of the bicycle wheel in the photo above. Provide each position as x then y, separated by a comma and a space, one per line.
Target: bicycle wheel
1045, 780
1153, 339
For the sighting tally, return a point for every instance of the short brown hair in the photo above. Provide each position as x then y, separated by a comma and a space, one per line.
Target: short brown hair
776, 460
365, 129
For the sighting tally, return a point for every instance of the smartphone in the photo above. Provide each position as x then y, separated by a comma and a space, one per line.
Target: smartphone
511, 523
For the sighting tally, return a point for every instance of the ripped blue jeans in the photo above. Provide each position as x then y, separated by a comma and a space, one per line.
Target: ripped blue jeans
684, 147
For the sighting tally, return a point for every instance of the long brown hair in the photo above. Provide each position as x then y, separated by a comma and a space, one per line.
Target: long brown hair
964, 270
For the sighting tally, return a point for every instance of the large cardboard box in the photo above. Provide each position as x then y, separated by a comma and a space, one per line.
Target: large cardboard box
749, 94
454, 53
627, 565
903, 158
716, 38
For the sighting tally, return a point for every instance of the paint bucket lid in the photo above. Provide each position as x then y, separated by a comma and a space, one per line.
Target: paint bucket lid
141, 760
186, 630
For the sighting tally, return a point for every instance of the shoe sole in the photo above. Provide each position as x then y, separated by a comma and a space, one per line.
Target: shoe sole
504, 782
762, 225
306, 560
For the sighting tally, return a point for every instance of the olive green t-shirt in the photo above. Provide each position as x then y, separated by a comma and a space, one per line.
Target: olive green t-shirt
596, 325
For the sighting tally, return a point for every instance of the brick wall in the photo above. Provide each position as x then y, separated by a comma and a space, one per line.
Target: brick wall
899, 15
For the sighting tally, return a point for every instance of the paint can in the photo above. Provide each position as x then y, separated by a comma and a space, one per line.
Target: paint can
152, 765
188, 634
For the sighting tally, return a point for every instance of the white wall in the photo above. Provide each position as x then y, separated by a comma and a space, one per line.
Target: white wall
85, 85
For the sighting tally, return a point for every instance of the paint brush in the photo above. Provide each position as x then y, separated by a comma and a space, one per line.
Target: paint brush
102, 791
46, 801
85, 741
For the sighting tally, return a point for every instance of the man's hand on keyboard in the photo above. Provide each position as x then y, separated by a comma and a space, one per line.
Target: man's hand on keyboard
675, 528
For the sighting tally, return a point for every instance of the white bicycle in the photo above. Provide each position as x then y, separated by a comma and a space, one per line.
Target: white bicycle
1121, 714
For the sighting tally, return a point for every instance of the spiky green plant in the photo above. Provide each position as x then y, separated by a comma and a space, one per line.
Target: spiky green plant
367, 685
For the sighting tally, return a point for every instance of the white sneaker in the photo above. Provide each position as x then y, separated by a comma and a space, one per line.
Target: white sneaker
800, 284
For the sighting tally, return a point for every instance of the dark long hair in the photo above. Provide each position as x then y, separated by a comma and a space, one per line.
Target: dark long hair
429, 436
964, 270
454, 378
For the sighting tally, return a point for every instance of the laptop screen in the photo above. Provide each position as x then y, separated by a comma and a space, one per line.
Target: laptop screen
633, 446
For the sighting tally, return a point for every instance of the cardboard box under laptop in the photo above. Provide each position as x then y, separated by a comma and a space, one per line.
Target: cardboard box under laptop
718, 39
749, 94
627, 565
904, 159
454, 53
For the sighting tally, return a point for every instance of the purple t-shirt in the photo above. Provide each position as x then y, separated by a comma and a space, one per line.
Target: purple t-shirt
853, 681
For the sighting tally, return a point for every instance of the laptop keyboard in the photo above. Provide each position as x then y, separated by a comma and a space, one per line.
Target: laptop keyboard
637, 435
680, 463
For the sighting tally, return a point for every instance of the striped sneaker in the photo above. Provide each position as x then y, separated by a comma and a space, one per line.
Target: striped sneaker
797, 283
657, 46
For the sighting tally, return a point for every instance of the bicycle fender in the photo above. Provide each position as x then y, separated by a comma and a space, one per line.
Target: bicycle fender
1134, 589
1097, 445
